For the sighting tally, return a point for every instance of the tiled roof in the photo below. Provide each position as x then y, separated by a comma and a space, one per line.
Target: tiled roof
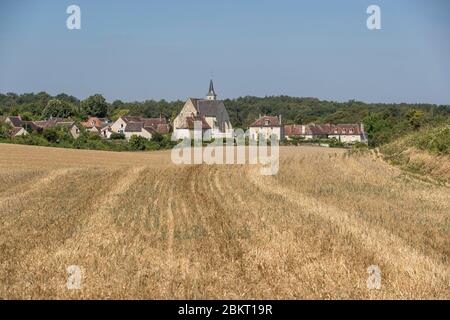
95, 122
162, 128
212, 108
14, 131
189, 122
323, 129
134, 127
54, 122
266, 121
16, 121
293, 129
136, 124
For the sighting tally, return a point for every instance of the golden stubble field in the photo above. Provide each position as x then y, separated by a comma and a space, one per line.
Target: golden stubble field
141, 227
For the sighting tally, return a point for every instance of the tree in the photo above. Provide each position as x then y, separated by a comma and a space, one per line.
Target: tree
119, 113
26, 116
57, 108
95, 106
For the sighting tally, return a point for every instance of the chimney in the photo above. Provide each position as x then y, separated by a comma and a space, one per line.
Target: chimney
280, 119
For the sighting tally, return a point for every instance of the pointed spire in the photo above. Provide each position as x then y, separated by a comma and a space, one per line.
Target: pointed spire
211, 87
211, 93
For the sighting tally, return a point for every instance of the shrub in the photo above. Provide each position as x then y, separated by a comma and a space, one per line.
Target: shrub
4, 128
56, 134
138, 143
434, 140
117, 136
157, 137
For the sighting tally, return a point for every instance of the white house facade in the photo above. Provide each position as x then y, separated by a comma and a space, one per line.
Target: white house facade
137, 126
265, 127
347, 133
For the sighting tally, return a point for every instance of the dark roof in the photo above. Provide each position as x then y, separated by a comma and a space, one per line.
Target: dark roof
148, 121
134, 127
16, 121
149, 129
54, 122
136, 124
266, 121
31, 125
212, 108
132, 119
14, 131
154, 121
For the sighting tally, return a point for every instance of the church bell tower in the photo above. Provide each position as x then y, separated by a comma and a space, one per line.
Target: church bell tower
211, 93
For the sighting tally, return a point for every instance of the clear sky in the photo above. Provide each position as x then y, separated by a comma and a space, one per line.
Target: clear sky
137, 50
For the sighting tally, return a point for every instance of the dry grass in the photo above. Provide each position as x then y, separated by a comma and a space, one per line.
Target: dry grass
141, 227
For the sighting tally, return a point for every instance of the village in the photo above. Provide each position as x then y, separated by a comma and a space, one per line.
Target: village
210, 115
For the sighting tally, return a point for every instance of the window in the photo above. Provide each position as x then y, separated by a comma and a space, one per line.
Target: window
267, 122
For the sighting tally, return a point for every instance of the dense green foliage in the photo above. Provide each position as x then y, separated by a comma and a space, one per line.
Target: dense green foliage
435, 140
59, 136
57, 108
383, 122
95, 106
4, 128
424, 152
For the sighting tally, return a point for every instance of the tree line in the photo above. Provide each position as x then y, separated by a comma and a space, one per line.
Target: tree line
383, 122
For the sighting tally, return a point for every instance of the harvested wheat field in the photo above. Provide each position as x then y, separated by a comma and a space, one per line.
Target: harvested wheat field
141, 227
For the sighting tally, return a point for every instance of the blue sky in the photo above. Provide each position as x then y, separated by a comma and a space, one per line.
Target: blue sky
137, 50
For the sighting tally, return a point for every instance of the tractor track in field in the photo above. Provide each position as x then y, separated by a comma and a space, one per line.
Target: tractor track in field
388, 246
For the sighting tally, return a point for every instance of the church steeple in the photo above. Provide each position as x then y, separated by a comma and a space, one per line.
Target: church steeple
211, 93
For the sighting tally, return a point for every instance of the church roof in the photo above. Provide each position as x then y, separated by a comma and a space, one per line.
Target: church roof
211, 108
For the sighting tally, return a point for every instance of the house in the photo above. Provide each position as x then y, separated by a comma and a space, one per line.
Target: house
14, 121
266, 126
347, 133
54, 122
17, 132
209, 110
17, 122
95, 125
137, 126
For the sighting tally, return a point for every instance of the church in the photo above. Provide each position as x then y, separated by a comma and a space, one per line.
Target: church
209, 112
